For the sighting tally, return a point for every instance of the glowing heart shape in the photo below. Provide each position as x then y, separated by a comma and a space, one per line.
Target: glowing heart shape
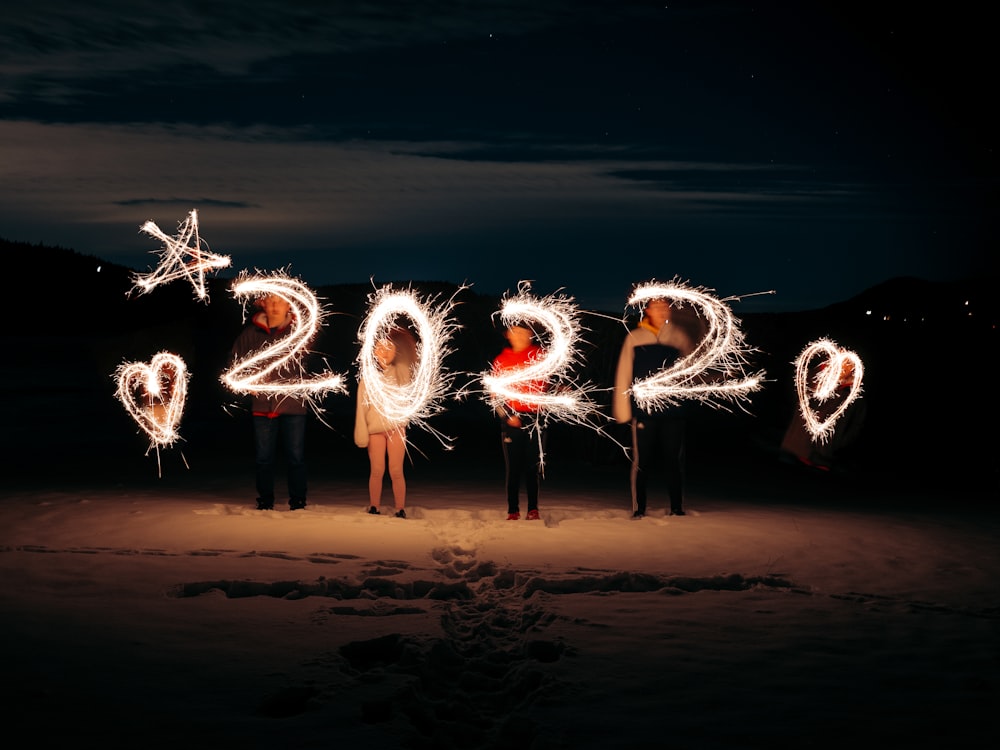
839, 365
154, 394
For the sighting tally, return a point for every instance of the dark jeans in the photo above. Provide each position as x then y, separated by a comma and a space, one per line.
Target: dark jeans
291, 429
522, 456
658, 442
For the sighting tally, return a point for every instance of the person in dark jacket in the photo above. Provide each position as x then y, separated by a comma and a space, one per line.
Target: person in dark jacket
276, 416
658, 438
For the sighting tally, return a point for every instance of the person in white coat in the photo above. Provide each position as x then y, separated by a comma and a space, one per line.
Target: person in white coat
658, 438
396, 355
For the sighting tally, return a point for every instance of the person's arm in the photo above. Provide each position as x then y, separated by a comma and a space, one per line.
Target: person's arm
361, 417
238, 350
499, 405
684, 345
621, 403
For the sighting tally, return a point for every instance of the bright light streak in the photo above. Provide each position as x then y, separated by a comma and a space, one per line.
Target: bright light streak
555, 321
822, 386
714, 371
154, 394
418, 400
182, 256
251, 374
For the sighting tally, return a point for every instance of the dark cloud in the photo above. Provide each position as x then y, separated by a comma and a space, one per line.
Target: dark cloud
738, 145
183, 202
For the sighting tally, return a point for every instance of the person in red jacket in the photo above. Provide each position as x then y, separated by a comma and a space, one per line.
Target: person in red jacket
522, 435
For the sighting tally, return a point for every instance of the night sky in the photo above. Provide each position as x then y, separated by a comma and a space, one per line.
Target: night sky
586, 146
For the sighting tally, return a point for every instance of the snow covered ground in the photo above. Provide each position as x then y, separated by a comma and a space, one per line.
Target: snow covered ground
788, 609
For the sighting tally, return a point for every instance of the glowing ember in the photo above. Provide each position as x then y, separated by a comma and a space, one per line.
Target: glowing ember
182, 257
554, 320
154, 394
841, 368
715, 370
250, 374
416, 401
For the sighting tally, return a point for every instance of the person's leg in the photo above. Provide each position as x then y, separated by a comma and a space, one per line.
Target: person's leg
532, 465
672, 435
396, 450
293, 429
510, 438
641, 434
796, 442
265, 432
376, 457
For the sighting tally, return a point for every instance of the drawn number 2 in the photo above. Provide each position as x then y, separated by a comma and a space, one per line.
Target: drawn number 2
528, 384
714, 370
252, 373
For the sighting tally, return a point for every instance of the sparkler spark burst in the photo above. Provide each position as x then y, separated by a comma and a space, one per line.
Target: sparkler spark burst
250, 374
715, 370
839, 365
154, 394
418, 400
560, 332
181, 257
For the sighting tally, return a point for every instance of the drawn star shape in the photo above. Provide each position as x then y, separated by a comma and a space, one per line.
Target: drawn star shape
182, 256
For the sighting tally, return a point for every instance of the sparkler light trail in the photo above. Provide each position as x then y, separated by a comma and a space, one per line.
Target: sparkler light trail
715, 371
421, 398
155, 394
840, 367
557, 316
181, 257
250, 374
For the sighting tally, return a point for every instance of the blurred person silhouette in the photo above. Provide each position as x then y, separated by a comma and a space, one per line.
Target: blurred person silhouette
799, 447
522, 435
396, 356
657, 436
276, 416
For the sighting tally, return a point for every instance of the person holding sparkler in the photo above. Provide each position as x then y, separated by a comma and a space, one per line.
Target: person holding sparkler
396, 357
275, 414
522, 435
658, 435
826, 452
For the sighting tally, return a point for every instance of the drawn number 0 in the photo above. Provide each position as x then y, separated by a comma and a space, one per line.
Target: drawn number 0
413, 401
